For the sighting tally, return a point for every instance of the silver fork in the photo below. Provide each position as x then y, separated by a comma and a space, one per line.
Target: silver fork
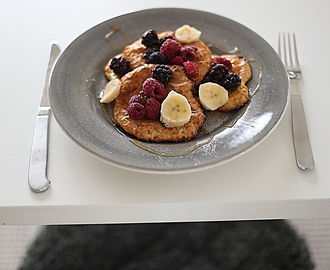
303, 150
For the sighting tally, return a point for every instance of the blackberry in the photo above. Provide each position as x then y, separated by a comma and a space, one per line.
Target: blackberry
120, 66
149, 51
162, 73
150, 39
154, 56
231, 81
218, 73
157, 58
206, 79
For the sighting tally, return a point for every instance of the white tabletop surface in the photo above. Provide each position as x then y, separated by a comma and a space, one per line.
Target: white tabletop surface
264, 183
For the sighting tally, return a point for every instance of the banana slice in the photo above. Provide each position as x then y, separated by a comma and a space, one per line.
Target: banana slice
175, 110
112, 75
187, 34
111, 91
212, 95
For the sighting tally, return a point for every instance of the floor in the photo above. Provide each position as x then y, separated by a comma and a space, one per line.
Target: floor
15, 239
316, 232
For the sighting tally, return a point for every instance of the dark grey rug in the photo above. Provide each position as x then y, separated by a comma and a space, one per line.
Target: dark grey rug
241, 245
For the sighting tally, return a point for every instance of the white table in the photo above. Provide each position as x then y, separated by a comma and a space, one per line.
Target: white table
264, 183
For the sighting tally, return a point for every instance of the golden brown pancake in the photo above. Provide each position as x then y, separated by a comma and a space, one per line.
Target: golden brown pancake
240, 95
154, 131
151, 130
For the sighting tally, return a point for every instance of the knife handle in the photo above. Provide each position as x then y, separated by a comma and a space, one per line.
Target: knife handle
303, 150
37, 177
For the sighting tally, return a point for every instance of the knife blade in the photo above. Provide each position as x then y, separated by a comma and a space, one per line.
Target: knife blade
37, 176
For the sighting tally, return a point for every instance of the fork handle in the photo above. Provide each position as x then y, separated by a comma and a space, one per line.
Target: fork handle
303, 150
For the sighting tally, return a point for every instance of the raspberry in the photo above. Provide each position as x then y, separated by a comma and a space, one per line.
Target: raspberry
150, 39
177, 60
162, 73
224, 61
140, 98
152, 109
191, 69
160, 95
120, 66
231, 81
133, 99
154, 89
170, 48
163, 39
188, 53
136, 111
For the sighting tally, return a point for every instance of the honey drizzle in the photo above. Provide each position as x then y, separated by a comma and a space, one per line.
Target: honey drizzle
115, 29
135, 142
175, 155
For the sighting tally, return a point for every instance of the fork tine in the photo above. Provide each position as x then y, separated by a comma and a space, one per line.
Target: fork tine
287, 51
290, 53
295, 50
279, 51
284, 52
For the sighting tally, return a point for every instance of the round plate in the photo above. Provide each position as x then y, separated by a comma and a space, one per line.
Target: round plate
78, 79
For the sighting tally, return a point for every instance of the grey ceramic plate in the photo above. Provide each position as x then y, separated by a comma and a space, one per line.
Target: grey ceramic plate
78, 79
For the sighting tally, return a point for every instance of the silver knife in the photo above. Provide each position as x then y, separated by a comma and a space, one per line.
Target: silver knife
303, 150
37, 176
